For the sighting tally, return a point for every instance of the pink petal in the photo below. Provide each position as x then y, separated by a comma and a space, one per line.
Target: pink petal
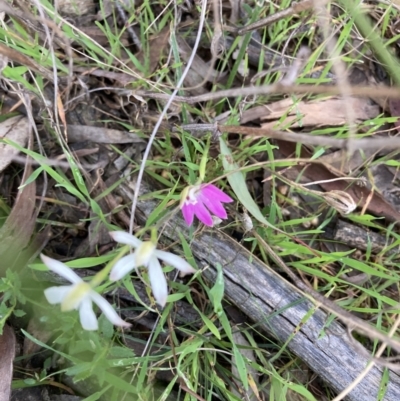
214, 193
214, 206
203, 214
188, 213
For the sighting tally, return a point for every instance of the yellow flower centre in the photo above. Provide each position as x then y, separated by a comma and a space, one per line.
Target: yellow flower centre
189, 195
75, 296
144, 253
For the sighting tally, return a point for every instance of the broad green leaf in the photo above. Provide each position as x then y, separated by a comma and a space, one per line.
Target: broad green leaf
120, 383
97, 394
302, 391
363, 267
241, 367
238, 183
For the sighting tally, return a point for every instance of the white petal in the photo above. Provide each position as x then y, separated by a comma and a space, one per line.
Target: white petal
123, 267
175, 261
55, 295
108, 310
125, 238
87, 316
158, 282
61, 269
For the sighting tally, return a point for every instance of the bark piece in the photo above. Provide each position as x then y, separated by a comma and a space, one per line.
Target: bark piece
357, 237
7, 352
17, 231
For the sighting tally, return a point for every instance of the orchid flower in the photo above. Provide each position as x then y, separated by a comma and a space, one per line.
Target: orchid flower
147, 255
202, 200
79, 295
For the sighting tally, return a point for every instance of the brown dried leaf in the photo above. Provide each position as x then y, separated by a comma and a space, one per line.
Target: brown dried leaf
75, 7
316, 113
96, 34
199, 73
7, 352
17, 231
157, 47
79, 133
340, 161
377, 205
15, 129
121, 77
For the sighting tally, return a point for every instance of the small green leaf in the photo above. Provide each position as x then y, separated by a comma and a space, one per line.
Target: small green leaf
121, 352
175, 297
302, 391
217, 292
190, 346
383, 385
19, 312
211, 326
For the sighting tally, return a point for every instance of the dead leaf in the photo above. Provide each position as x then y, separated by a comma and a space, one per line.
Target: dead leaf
79, 133
15, 129
7, 352
199, 73
98, 36
316, 113
340, 161
378, 206
157, 47
121, 77
75, 7
61, 110
16, 233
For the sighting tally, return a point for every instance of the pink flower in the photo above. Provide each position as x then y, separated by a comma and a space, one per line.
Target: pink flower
202, 200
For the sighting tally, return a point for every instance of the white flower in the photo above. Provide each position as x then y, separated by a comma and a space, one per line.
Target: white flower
79, 295
147, 255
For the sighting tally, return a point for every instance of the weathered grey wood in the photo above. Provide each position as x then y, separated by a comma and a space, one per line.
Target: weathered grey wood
359, 237
260, 294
